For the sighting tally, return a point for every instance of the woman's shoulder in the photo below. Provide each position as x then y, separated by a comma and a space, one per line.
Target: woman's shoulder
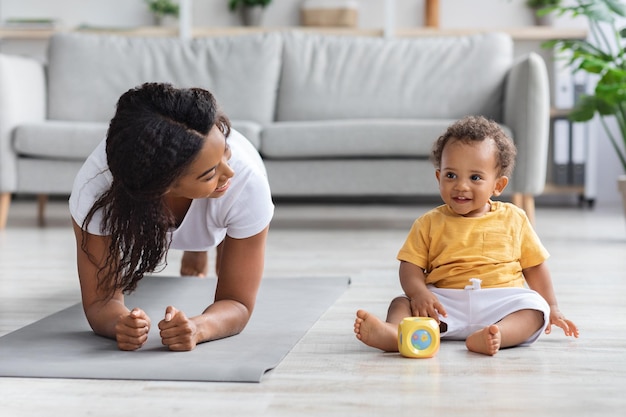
244, 154
93, 179
250, 173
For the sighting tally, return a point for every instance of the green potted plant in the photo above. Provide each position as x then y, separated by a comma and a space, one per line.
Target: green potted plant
603, 57
542, 19
251, 10
538, 4
161, 9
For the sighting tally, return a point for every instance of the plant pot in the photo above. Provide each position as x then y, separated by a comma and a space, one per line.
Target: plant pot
165, 20
252, 15
621, 186
545, 20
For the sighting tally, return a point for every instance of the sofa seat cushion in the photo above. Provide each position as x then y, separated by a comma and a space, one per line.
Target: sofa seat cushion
370, 138
58, 140
88, 72
326, 77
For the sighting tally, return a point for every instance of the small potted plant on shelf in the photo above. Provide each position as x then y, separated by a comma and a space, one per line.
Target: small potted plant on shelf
163, 9
542, 10
251, 10
603, 57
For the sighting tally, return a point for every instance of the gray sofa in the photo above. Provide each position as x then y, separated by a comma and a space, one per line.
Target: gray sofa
332, 116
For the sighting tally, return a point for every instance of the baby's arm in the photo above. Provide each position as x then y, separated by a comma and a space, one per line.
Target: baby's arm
538, 279
423, 302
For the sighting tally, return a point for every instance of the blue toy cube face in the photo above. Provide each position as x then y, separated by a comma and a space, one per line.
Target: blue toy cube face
421, 339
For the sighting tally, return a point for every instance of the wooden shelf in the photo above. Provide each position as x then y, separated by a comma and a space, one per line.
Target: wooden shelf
19, 34
552, 188
531, 33
556, 114
534, 33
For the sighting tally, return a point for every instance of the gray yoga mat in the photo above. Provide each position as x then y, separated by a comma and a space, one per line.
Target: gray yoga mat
62, 345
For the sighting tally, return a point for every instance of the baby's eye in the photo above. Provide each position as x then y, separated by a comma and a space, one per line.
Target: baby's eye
475, 177
450, 175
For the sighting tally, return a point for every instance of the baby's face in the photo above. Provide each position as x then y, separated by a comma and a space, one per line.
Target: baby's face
469, 176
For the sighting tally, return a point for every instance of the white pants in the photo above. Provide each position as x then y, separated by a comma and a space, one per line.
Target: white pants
474, 308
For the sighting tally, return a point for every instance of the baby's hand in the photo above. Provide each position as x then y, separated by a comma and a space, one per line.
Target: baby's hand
558, 319
131, 330
427, 304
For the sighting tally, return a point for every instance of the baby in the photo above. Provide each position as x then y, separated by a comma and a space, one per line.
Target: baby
473, 264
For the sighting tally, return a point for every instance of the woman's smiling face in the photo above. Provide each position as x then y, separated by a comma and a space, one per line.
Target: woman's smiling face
208, 176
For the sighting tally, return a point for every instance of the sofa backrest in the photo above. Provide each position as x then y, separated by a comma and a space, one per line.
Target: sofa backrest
88, 72
337, 77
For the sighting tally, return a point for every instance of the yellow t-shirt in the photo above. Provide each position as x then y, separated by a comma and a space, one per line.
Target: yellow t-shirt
494, 247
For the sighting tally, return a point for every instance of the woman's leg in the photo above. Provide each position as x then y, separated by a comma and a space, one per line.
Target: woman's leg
194, 264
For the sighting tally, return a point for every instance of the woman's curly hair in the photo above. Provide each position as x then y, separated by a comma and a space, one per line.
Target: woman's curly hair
155, 134
476, 129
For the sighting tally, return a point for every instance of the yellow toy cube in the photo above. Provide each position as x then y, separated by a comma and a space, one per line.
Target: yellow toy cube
418, 337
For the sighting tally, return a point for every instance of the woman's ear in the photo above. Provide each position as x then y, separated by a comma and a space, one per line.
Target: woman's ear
501, 184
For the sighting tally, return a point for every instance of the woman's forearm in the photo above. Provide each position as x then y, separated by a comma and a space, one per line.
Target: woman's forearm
103, 316
221, 319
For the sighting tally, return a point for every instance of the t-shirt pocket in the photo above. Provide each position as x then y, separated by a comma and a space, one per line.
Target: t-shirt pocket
498, 246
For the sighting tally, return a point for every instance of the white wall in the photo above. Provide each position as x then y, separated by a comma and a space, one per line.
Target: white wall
486, 14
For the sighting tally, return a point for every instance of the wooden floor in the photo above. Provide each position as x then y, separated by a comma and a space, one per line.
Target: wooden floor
330, 373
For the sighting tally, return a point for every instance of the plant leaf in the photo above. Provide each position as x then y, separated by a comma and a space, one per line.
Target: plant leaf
584, 110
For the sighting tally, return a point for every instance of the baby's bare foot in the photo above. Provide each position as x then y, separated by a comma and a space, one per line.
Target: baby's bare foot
486, 341
376, 333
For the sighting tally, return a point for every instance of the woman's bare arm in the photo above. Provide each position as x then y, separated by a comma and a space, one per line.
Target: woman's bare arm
107, 316
241, 266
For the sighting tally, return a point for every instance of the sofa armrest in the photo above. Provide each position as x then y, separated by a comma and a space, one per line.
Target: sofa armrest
527, 113
22, 99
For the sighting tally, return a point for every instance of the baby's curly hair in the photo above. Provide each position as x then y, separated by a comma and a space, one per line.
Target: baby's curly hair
477, 129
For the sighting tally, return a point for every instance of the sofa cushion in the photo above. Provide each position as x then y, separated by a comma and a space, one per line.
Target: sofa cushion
64, 140
58, 140
88, 72
352, 138
429, 78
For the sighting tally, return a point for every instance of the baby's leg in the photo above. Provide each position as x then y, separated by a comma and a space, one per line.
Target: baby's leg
374, 332
511, 331
487, 340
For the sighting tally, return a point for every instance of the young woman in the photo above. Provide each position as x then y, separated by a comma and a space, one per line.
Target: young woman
171, 174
